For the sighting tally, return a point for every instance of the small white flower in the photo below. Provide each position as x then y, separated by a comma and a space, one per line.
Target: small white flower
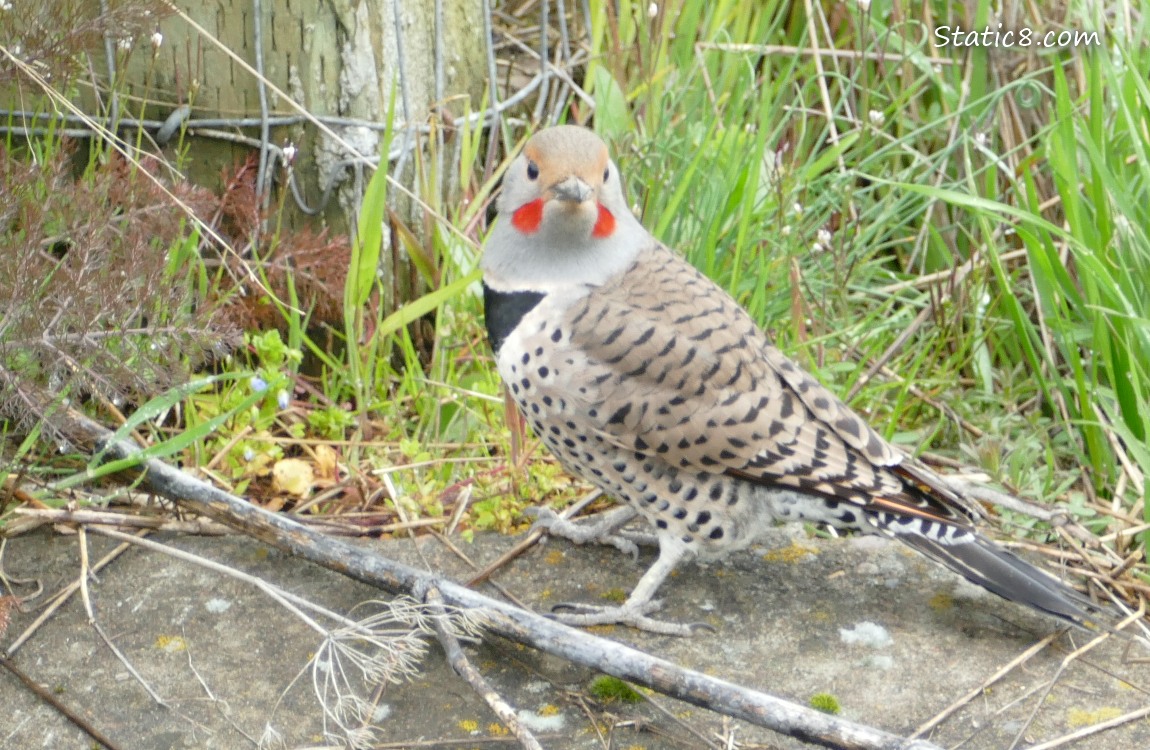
980, 139
249, 454
652, 10
125, 44
823, 237
817, 248
785, 231
798, 208
5, 5
289, 154
282, 400
877, 118
864, 4
157, 40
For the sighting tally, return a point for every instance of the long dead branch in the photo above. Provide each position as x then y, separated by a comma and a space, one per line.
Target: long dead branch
503, 619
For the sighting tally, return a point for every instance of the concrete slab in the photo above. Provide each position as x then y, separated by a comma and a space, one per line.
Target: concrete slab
229, 661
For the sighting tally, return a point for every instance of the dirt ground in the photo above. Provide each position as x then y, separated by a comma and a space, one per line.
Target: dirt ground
892, 637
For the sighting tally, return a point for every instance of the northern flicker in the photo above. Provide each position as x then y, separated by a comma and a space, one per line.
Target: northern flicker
645, 378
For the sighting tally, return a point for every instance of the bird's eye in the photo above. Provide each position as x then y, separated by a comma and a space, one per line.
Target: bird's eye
606, 174
532, 170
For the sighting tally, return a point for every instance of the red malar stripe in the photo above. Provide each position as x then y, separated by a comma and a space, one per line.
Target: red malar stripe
528, 216
605, 226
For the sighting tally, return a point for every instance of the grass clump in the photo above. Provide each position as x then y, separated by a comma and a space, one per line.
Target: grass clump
613, 690
826, 703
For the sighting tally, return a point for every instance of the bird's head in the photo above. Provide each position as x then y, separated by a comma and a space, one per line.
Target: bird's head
563, 183
562, 207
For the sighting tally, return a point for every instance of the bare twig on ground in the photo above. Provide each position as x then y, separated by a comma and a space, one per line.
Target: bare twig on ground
7, 582
1010, 666
464, 668
530, 540
220, 705
470, 742
198, 526
1071, 657
445, 541
46, 696
60, 598
679, 722
501, 619
1093, 729
85, 571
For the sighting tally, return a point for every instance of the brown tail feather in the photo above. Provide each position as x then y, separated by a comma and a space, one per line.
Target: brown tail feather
983, 562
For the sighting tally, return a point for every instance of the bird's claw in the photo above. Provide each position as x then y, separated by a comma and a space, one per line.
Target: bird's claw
547, 520
633, 615
544, 517
642, 608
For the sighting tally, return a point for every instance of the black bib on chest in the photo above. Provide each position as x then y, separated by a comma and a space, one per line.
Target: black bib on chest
503, 311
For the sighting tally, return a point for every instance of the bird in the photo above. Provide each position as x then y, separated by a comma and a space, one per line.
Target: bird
647, 379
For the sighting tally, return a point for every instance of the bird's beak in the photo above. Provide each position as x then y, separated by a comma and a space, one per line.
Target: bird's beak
572, 189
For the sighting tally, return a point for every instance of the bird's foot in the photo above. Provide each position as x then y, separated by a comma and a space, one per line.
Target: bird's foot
603, 530
634, 614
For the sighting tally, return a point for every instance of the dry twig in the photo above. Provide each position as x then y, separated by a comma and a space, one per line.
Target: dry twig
60, 598
530, 540
463, 667
47, 696
501, 619
1010, 666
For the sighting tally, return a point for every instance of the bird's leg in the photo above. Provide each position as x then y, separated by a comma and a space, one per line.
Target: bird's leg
639, 604
603, 530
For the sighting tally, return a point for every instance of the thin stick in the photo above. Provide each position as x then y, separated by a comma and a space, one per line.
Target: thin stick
1010, 666
198, 526
684, 725
87, 599
439, 744
501, 619
845, 54
292, 602
61, 597
1101, 638
462, 501
471, 563
463, 667
1093, 729
530, 540
47, 697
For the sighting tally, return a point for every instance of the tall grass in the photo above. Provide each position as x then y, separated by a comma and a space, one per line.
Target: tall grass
954, 239
973, 220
